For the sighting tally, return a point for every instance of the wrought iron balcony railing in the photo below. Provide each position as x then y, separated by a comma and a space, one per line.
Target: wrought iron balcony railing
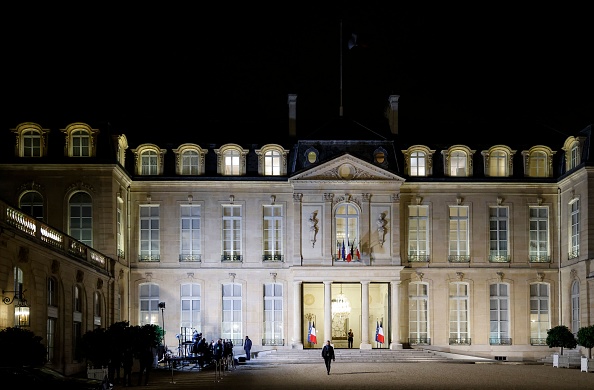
276, 342
499, 258
459, 341
459, 258
190, 258
149, 258
500, 341
540, 258
419, 341
273, 258
415, 258
538, 341
573, 254
232, 258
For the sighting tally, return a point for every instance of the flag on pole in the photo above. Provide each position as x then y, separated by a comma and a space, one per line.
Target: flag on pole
343, 251
338, 249
380, 334
349, 252
313, 338
376, 331
357, 253
309, 332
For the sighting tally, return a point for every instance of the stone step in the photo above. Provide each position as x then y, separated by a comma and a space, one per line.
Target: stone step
354, 356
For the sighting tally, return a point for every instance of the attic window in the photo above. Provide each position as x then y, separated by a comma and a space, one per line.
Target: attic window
312, 157
380, 157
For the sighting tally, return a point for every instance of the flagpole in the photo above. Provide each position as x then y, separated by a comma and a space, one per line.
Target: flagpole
340, 45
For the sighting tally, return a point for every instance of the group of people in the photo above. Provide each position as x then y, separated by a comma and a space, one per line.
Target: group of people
146, 358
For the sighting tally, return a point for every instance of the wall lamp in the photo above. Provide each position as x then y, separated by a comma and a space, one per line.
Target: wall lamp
21, 307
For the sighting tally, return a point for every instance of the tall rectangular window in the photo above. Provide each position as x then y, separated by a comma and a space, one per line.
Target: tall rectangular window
190, 306
499, 314
189, 162
31, 144
417, 164
149, 233
459, 314
50, 342
81, 218
273, 314
272, 163
459, 250
458, 164
231, 327
190, 233
540, 320
574, 237
231, 161
574, 159
539, 234
418, 322
575, 306
498, 234
498, 164
273, 233
81, 144
149, 304
120, 231
149, 163
232, 221
418, 235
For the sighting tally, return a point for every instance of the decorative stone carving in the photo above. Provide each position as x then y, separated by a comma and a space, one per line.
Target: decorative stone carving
459, 276
381, 228
99, 283
500, 276
80, 276
55, 266
313, 228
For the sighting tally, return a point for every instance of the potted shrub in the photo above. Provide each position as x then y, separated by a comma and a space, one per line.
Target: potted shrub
585, 338
560, 337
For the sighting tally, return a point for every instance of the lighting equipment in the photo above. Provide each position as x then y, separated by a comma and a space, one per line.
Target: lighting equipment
21, 307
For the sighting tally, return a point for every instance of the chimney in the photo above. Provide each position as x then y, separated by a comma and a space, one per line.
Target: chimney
292, 115
393, 113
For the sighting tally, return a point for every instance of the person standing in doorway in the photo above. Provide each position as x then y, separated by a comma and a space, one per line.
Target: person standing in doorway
328, 355
247, 346
351, 335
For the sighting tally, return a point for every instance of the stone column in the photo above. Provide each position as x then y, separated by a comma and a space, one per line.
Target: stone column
394, 314
365, 344
297, 317
327, 312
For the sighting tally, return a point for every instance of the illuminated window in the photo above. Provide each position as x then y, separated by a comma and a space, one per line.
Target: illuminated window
540, 318
418, 313
81, 140
459, 314
273, 314
149, 160
149, 303
418, 160
190, 159
231, 326
232, 231
231, 160
31, 140
498, 161
499, 314
190, 306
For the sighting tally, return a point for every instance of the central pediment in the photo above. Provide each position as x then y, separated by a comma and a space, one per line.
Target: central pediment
346, 168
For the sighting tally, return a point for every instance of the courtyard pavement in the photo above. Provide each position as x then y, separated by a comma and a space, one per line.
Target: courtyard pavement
374, 376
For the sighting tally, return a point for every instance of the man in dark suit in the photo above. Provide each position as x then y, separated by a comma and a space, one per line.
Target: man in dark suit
328, 355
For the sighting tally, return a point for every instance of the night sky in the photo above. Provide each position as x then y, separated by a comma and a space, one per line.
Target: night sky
161, 64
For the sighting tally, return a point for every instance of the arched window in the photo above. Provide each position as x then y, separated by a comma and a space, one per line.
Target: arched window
540, 313
499, 314
459, 314
149, 303
232, 324
97, 310
31, 140
80, 140
31, 202
418, 313
190, 306
575, 306
231, 160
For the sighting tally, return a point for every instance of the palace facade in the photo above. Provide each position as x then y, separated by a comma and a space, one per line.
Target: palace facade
474, 248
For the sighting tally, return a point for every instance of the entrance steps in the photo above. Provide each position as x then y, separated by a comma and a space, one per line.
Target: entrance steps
350, 356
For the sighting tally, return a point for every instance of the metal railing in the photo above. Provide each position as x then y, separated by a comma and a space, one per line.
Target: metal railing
459, 258
573, 254
273, 258
149, 258
419, 341
500, 341
540, 258
232, 258
190, 258
414, 258
459, 341
538, 341
499, 258
273, 342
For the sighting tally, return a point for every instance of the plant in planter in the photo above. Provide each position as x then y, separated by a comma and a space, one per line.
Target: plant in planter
560, 337
585, 338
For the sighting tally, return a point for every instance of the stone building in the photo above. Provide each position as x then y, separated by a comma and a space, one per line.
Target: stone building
475, 247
